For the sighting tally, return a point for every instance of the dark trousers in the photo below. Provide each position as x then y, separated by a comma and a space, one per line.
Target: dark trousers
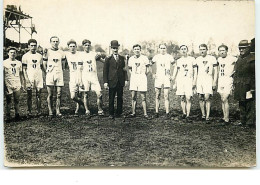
112, 93
247, 112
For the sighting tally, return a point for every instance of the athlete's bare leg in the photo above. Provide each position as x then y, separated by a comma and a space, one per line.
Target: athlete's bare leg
157, 99
58, 101
17, 95
225, 106
166, 100
134, 95
207, 100
50, 90
188, 105
183, 104
99, 100
202, 104
143, 97
38, 100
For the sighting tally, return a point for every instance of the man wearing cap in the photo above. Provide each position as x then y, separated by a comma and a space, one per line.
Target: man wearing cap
90, 77
115, 78
13, 81
244, 84
54, 64
226, 65
33, 74
185, 80
74, 63
206, 80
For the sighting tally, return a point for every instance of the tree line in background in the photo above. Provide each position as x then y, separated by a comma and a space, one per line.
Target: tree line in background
149, 48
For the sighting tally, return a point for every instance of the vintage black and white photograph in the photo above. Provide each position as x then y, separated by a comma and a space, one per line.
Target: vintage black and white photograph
120, 83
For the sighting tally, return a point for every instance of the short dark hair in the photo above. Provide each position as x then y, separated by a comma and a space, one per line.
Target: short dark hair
71, 42
86, 41
11, 48
162, 44
203, 45
137, 45
32, 41
223, 46
183, 45
54, 37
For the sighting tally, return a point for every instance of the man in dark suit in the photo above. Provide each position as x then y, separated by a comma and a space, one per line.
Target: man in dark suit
244, 83
115, 78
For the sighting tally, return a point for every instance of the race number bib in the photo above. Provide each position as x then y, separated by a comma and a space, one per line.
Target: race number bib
74, 65
90, 66
13, 69
137, 68
222, 71
34, 64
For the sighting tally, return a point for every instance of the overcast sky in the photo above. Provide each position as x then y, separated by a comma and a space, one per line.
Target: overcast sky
130, 21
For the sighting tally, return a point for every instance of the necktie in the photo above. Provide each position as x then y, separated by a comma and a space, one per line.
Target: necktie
116, 56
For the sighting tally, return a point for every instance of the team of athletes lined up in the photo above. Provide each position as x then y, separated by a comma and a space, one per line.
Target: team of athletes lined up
190, 76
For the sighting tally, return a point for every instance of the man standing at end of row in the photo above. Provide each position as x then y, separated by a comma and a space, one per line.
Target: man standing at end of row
163, 62
207, 79
139, 68
13, 80
186, 80
115, 78
54, 64
244, 83
33, 75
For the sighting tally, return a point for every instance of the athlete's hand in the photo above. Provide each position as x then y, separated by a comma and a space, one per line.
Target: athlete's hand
214, 88
193, 87
126, 83
106, 85
28, 85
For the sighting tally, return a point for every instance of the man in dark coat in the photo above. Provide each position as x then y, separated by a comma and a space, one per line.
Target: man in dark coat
244, 84
115, 78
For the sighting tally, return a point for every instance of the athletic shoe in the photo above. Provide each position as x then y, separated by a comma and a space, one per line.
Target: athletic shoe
58, 114
188, 119
101, 113
87, 113
208, 121
203, 118
183, 116
168, 116
146, 116
111, 117
29, 114
132, 115
17, 117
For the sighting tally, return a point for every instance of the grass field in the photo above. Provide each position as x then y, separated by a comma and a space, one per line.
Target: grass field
158, 142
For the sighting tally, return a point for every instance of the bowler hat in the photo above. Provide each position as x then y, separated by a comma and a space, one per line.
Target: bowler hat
114, 43
243, 44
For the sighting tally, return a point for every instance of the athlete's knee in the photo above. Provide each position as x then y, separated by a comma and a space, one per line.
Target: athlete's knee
143, 97
99, 96
58, 94
157, 95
